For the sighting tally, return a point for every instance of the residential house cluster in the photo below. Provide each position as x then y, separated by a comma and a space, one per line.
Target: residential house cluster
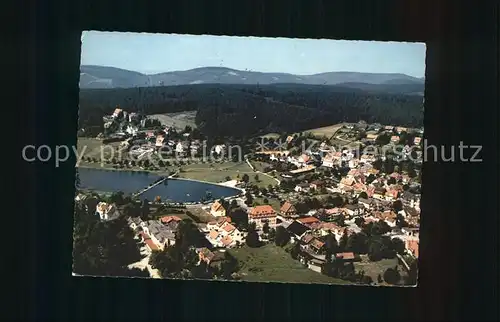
182, 147
356, 182
379, 190
223, 233
130, 124
309, 233
282, 156
156, 234
305, 187
319, 222
127, 123
301, 161
345, 157
213, 258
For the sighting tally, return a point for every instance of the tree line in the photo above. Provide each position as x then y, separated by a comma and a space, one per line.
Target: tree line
245, 110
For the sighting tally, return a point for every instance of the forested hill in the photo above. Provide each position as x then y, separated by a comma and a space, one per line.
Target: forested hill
111, 77
243, 110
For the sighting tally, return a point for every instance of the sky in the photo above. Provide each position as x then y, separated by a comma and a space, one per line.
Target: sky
156, 53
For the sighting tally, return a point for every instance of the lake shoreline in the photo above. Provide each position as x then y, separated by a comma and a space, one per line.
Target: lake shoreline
160, 173
238, 192
99, 167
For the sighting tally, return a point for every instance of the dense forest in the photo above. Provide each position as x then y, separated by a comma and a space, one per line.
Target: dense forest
103, 248
243, 110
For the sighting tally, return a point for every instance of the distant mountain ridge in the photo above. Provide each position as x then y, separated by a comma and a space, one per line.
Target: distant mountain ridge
110, 77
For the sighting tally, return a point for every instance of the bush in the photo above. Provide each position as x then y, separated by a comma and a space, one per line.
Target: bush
392, 276
398, 246
252, 239
366, 279
295, 251
282, 236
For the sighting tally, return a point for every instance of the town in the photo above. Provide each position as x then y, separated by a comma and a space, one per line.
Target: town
337, 204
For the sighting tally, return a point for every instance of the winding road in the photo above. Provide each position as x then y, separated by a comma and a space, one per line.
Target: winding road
267, 175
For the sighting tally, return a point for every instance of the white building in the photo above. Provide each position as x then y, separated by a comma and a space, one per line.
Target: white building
302, 187
217, 210
132, 130
323, 147
132, 117
332, 159
219, 149
105, 211
179, 148
117, 112
80, 197
159, 141
294, 161
353, 163
303, 160
125, 144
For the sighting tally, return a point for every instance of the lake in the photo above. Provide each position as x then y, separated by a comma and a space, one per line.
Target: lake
175, 190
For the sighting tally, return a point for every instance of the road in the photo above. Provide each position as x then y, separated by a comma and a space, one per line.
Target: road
241, 203
342, 139
267, 175
401, 258
341, 125
249, 164
144, 263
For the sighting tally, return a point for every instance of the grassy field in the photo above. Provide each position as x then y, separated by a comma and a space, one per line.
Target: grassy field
218, 172
275, 203
373, 269
270, 136
178, 120
339, 143
91, 147
271, 263
327, 131
259, 166
215, 172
